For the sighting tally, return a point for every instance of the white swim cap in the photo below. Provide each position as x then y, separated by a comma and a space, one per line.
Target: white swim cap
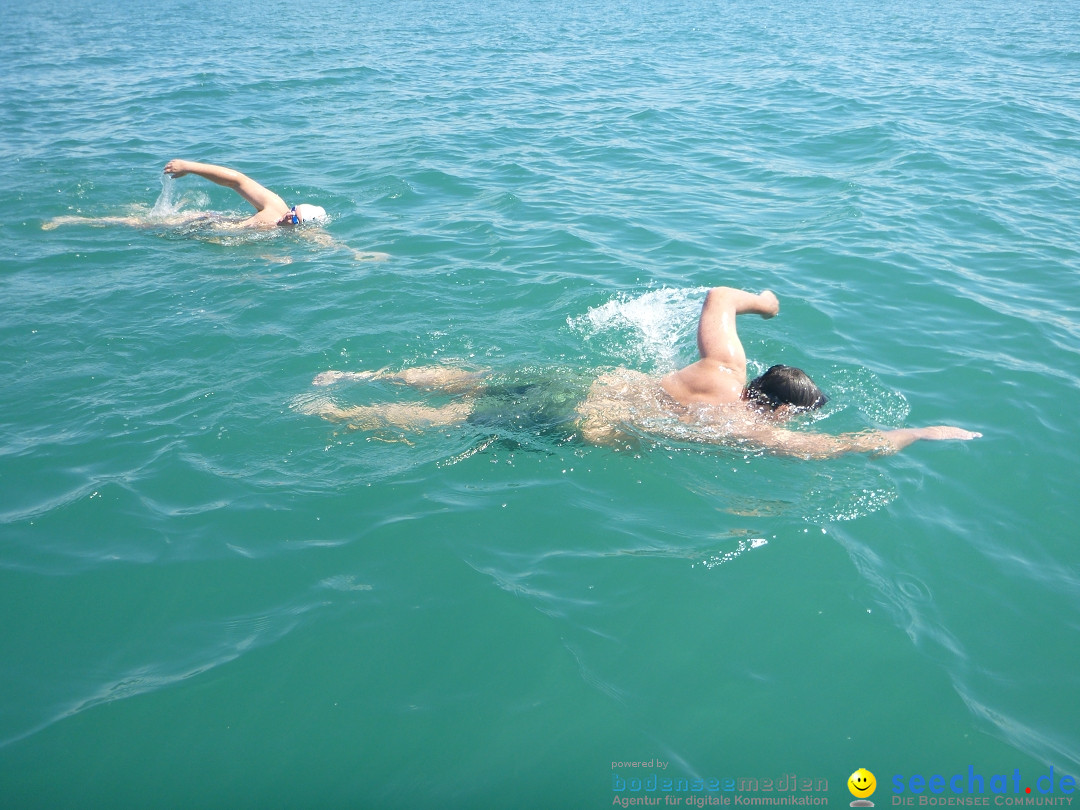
310, 213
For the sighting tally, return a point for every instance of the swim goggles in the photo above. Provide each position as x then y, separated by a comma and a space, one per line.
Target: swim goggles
295, 218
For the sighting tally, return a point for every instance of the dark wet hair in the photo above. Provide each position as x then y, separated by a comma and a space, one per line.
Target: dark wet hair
786, 385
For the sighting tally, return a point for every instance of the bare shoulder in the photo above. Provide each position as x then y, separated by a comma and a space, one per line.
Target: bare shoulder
266, 219
706, 382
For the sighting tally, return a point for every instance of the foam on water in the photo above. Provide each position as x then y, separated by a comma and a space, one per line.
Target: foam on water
646, 331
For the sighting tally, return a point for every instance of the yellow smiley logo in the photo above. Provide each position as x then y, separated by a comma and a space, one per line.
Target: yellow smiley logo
861, 783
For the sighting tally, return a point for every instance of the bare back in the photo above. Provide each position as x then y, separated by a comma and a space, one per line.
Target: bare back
622, 402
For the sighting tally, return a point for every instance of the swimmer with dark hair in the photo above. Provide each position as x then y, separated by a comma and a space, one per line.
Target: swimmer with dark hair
708, 401
713, 393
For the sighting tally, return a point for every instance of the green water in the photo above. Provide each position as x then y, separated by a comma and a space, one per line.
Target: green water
211, 599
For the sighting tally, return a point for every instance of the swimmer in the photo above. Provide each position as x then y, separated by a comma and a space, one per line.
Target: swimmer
271, 211
713, 394
708, 401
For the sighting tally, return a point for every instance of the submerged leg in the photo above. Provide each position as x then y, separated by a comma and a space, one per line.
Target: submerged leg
142, 221
442, 378
410, 417
97, 222
433, 378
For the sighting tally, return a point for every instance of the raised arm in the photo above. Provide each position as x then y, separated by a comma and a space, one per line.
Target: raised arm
262, 198
719, 376
717, 336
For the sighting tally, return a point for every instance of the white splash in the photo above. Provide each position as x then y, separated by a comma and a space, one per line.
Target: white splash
648, 329
166, 205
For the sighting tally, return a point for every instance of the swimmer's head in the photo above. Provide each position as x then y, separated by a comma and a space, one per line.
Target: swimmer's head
785, 386
299, 214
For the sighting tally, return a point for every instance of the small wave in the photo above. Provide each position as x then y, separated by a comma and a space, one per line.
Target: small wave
216, 643
1046, 744
859, 494
861, 389
720, 557
345, 582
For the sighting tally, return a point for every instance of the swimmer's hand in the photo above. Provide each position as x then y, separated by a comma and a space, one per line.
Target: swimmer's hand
769, 304
901, 438
944, 432
176, 168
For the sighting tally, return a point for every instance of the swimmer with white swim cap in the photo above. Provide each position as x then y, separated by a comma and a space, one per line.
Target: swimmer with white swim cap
271, 210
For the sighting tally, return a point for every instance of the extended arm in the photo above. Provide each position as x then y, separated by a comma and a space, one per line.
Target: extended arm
259, 196
820, 445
